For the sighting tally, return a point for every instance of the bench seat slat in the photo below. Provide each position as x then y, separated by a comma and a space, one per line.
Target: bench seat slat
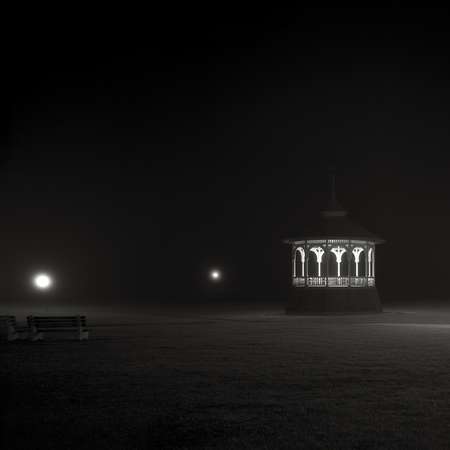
64, 329
57, 317
56, 323
59, 326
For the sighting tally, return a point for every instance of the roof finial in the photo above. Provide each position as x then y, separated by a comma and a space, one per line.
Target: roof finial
334, 209
333, 186
332, 174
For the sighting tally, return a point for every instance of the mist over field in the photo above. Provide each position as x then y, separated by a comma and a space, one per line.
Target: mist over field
232, 379
183, 174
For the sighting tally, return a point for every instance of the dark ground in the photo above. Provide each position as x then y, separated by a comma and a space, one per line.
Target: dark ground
233, 380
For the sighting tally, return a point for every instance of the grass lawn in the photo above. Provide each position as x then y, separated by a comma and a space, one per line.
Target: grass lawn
242, 380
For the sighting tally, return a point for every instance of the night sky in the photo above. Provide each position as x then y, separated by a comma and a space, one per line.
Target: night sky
142, 148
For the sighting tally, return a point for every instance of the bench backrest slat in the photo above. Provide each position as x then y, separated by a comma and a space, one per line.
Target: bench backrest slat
41, 322
57, 317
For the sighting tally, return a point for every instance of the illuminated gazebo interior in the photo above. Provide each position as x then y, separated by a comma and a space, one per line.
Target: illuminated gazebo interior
336, 259
333, 263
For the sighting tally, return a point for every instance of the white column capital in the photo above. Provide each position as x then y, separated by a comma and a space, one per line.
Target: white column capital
318, 251
301, 250
338, 251
356, 252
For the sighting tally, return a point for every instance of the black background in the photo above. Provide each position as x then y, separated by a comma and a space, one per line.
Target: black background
140, 148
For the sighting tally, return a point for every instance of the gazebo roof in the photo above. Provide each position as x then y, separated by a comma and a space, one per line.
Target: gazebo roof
334, 224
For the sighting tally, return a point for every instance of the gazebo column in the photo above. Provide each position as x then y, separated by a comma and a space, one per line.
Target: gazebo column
294, 262
306, 263
348, 255
318, 251
302, 258
373, 263
356, 252
338, 251
367, 260
366, 265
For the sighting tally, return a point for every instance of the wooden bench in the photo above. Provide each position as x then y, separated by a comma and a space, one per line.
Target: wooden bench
10, 330
41, 325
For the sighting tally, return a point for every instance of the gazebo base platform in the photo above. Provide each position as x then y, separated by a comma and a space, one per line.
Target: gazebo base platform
333, 301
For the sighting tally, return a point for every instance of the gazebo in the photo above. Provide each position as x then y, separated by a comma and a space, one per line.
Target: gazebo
333, 266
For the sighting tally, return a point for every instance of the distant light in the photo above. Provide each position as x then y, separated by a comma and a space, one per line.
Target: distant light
42, 281
215, 275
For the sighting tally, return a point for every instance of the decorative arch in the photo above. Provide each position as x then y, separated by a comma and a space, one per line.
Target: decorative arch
315, 263
358, 266
338, 253
371, 263
300, 262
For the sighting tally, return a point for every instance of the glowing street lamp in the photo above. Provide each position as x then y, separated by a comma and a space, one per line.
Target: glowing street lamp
215, 275
42, 281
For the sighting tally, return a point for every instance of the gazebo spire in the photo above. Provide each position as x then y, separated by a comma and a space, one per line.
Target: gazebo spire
334, 208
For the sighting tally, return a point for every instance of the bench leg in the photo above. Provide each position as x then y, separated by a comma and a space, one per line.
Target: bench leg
37, 336
18, 335
12, 337
23, 335
84, 335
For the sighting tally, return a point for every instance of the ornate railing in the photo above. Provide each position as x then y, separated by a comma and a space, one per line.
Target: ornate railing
333, 282
317, 281
298, 281
338, 281
358, 281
